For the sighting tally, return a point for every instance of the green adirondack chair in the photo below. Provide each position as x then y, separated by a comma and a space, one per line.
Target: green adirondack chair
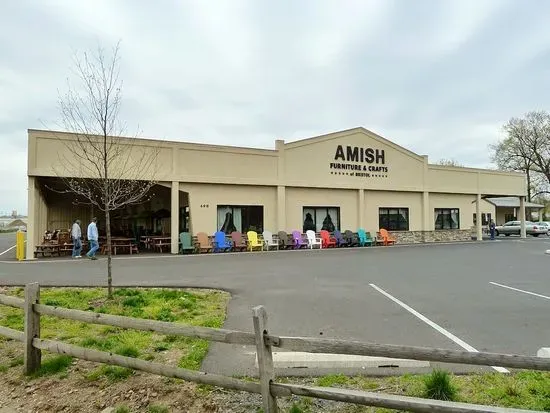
186, 243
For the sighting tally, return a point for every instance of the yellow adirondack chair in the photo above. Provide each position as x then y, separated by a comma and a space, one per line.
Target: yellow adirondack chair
253, 241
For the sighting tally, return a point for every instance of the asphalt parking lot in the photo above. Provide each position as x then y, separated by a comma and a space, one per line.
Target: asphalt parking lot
488, 296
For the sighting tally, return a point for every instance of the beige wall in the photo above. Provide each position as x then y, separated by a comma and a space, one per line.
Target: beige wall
298, 198
220, 164
204, 199
382, 199
463, 202
305, 163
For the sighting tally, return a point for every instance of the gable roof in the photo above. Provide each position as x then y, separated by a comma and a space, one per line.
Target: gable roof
511, 202
347, 132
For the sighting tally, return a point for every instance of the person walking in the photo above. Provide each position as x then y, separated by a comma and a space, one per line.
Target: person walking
93, 239
76, 235
492, 227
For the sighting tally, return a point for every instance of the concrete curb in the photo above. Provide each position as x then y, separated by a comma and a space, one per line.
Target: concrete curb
302, 360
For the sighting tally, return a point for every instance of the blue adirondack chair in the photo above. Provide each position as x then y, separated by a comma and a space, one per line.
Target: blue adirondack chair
364, 239
220, 242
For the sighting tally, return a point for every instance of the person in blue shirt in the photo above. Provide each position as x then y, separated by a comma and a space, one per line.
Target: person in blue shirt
93, 239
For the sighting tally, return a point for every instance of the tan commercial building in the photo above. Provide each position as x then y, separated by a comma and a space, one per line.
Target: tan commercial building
345, 180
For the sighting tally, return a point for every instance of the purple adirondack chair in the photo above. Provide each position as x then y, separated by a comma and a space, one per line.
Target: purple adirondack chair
298, 240
340, 240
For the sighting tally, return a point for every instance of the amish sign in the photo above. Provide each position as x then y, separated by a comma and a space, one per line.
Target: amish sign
359, 161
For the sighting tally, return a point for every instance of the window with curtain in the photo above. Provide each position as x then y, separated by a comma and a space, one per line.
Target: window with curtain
393, 219
321, 218
240, 218
447, 218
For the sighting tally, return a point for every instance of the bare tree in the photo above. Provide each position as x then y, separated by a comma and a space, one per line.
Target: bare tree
99, 167
450, 162
526, 148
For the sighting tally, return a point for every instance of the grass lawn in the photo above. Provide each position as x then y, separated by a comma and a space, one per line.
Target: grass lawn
193, 307
523, 389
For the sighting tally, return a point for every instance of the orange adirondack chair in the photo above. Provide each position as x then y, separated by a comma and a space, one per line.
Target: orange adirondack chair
388, 239
204, 243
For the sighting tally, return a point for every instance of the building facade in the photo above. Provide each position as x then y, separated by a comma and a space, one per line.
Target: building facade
345, 180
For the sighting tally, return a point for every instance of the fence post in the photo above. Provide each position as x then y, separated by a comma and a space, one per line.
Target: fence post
33, 356
265, 359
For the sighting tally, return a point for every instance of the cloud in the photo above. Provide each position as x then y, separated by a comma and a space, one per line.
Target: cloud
436, 76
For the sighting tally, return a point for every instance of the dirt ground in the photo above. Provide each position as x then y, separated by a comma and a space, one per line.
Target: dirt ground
73, 391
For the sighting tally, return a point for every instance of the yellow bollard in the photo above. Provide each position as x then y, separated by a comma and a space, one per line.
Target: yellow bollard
20, 245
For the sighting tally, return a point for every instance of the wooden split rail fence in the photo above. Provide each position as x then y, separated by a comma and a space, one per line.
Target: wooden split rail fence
269, 389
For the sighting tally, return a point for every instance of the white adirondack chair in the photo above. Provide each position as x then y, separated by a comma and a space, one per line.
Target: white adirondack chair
313, 240
269, 242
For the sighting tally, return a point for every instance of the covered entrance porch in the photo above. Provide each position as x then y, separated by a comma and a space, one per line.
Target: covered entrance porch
149, 226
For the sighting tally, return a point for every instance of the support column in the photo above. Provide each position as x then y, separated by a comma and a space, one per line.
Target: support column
479, 229
523, 232
360, 209
281, 208
31, 219
426, 224
175, 217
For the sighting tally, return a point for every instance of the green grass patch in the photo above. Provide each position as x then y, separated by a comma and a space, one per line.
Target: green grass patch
53, 366
3, 368
158, 408
191, 307
524, 390
111, 373
122, 409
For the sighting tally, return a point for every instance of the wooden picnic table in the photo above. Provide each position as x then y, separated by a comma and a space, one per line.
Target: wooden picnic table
120, 243
161, 242
49, 248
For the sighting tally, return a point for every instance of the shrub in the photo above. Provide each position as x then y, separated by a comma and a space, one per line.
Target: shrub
438, 386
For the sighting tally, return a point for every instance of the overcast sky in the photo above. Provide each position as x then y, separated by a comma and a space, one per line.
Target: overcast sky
439, 77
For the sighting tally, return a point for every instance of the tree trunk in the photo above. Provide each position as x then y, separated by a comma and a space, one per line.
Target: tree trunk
528, 186
109, 266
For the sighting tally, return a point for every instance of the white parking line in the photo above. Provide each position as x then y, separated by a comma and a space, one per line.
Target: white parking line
435, 326
9, 249
521, 291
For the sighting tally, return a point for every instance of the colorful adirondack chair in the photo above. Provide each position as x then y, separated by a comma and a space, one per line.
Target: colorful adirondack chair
386, 237
239, 244
253, 241
340, 240
203, 242
351, 238
363, 239
328, 241
186, 243
313, 240
220, 242
298, 240
284, 242
269, 242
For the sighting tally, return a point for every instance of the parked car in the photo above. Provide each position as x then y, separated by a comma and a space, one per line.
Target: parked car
514, 228
545, 224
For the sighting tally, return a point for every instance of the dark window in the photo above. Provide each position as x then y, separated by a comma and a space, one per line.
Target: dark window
447, 218
485, 218
393, 219
509, 217
241, 218
321, 218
